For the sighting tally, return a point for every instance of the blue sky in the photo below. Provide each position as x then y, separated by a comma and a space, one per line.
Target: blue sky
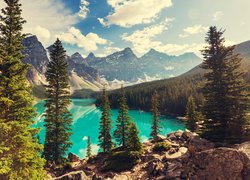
106, 26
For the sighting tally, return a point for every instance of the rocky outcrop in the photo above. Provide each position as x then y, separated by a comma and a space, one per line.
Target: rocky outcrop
219, 163
190, 157
75, 175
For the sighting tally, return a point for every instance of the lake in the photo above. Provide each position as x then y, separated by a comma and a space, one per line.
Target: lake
86, 118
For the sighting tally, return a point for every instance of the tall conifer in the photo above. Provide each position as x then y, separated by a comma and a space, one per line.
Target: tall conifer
225, 90
105, 139
123, 121
155, 127
57, 116
133, 141
19, 147
193, 116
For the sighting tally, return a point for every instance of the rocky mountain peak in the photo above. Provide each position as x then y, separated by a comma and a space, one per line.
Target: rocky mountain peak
91, 56
77, 58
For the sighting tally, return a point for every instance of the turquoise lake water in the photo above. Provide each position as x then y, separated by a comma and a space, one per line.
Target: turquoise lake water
86, 117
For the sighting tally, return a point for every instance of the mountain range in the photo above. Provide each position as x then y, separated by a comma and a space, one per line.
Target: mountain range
120, 67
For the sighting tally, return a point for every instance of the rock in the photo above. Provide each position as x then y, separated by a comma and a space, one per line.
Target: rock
220, 163
178, 154
121, 177
150, 157
245, 148
174, 170
73, 158
186, 135
171, 136
172, 151
197, 144
155, 168
159, 138
75, 175
178, 133
96, 177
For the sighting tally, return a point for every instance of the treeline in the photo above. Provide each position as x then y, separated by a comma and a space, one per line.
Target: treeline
173, 94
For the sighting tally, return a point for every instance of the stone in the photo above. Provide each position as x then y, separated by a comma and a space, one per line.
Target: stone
171, 136
197, 144
174, 170
155, 168
178, 154
73, 158
121, 177
75, 175
186, 135
220, 163
150, 157
178, 133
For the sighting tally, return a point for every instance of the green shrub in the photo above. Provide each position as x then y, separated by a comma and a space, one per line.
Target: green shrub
121, 161
161, 146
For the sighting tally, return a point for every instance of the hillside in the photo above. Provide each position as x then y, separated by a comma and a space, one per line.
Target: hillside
186, 156
174, 92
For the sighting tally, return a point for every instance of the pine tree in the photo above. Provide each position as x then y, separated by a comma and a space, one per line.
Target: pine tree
224, 91
57, 116
105, 139
123, 121
19, 148
155, 127
88, 147
192, 115
133, 141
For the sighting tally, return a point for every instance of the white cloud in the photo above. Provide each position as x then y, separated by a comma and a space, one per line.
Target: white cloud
83, 9
42, 33
128, 13
88, 43
191, 30
46, 18
217, 15
143, 40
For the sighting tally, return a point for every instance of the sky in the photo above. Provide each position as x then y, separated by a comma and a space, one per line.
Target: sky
106, 26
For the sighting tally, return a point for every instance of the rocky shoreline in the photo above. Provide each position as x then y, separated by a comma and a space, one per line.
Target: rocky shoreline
190, 157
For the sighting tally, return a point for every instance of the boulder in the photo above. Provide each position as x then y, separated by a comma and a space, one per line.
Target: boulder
171, 136
73, 158
121, 177
220, 163
186, 135
155, 168
178, 133
75, 175
197, 144
174, 170
178, 154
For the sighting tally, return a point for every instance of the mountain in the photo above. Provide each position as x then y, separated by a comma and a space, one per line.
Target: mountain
174, 92
35, 55
81, 75
158, 64
126, 66
122, 65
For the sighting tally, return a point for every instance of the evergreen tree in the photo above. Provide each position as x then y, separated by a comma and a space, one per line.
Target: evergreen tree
123, 121
57, 116
88, 147
105, 139
155, 128
19, 148
224, 91
133, 140
192, 115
